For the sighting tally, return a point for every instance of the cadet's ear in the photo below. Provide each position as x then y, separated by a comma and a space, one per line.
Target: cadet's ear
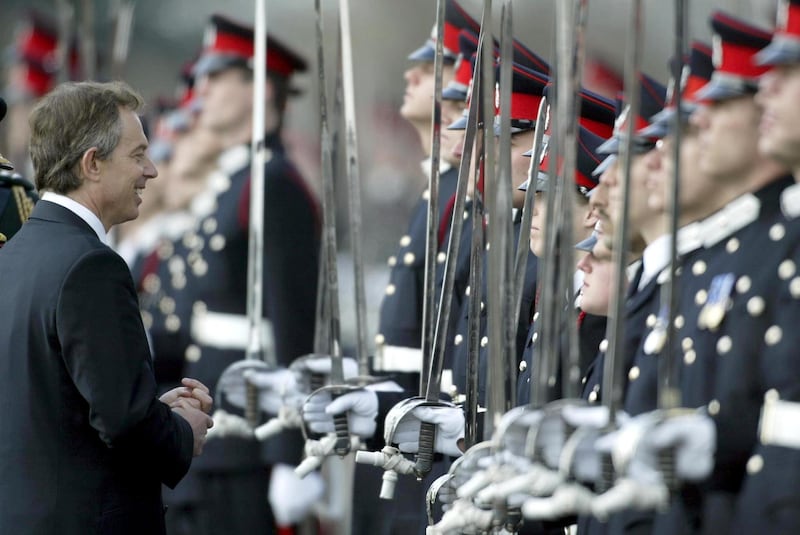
89, 164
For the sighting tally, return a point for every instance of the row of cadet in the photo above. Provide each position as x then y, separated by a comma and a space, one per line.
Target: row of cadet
732, 451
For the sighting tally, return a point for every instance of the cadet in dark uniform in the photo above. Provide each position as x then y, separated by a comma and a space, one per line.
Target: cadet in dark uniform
400, 323
718, 314
768, 502
17, 195
208, 266
596, 119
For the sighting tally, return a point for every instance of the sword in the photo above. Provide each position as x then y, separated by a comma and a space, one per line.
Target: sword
431, 240
573, 21
354, 188
500, 289
256, 346
613, 367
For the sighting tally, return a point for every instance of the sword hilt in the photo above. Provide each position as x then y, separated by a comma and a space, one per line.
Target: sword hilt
427, 438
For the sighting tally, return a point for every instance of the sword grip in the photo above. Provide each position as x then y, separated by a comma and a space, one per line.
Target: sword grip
316, 381
427, 438
606, 480
342, 446
251, 409
666, 465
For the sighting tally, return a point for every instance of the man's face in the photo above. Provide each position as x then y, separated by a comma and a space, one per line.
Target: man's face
227, 99
538, 223
637, 197
450, 139
727, 137
520, 144
695, 187
778, 95
595, 293
123, 175
418, 98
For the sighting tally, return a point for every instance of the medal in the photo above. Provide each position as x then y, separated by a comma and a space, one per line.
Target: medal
718, 302
656, 339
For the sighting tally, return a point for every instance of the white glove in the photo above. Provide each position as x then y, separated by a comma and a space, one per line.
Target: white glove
322, 364
361, 407
449, 423
694, 437
276, 388
290, 497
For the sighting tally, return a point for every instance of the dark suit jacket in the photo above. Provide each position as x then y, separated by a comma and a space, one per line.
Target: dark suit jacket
84, 443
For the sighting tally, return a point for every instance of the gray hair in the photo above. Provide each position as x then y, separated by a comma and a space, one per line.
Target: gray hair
72, 119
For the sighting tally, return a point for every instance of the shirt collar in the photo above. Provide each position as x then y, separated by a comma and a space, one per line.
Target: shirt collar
79, 210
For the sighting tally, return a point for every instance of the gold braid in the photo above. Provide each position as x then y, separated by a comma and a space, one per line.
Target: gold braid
24, 203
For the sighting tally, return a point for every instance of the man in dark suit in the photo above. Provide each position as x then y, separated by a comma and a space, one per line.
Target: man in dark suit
85, 442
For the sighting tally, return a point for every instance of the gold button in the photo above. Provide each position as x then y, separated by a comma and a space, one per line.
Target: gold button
210, 225
724, 344
603, 345
466, 215
441, 257
687, 343
488, 246
179, 281
701, 297
166, 305
756, 305
176, 265
390, 289
633, 373
777, 232
755, 464
217, 242
679, 321
408, 259
405, 241
199, 308
743, 284
699, 267
392, 261
689, 357
651, 320
151, 283
772, 395
794, 287
592, 396
773, 335
189, 240
379, 339
165, 250
713, 407
193, 353
523, 365
466, 292
787, 269
482, 305
583, 381
200, 267
535, 316
172, 323
484, 341
426, 194
458, 339
732, 246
